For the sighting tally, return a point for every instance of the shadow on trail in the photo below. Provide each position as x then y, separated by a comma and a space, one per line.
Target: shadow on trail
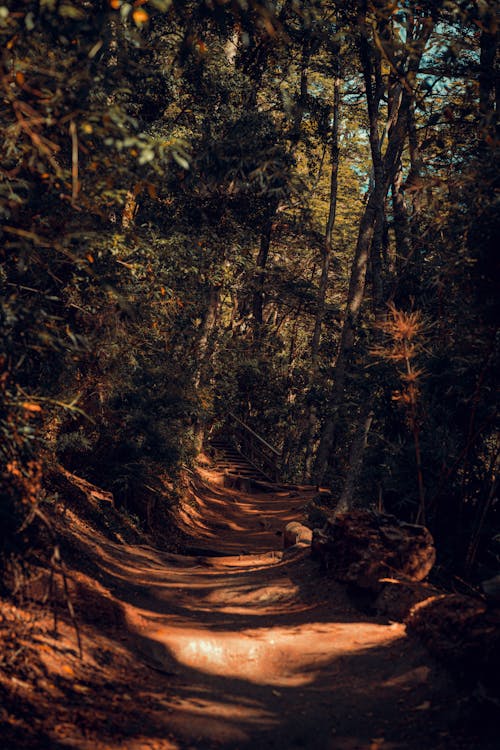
251, 650
340, 707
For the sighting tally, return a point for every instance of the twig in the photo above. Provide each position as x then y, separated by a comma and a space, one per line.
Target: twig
74, 162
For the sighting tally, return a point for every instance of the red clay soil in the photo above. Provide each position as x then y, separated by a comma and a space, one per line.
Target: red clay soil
235, 645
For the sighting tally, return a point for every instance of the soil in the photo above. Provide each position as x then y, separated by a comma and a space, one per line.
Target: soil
233, 645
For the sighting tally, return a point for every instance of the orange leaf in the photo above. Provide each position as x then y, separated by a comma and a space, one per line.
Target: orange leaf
140, 16
31, 407
20, 78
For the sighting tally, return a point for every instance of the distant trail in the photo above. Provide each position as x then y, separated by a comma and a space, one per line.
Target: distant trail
260, 649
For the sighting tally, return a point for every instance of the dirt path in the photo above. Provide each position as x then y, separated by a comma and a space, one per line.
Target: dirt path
262, 651
248, 648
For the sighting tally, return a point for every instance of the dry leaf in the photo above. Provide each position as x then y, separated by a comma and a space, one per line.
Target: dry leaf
31, 407
140, 16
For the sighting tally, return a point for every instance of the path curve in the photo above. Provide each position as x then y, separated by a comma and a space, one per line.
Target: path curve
260, 649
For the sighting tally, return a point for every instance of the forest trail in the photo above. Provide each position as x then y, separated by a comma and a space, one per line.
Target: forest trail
238, 645
188, 245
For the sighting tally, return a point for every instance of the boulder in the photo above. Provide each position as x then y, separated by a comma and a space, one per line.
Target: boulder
363, 547
319, 510
491, 588
296, 533
464, 634
319, 546
398, 597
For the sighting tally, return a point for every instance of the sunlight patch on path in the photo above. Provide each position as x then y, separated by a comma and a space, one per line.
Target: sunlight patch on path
281, 656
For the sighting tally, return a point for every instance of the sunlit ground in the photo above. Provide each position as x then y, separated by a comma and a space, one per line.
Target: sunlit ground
281, 656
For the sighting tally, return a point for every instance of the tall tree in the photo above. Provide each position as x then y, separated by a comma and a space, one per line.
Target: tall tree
373, 42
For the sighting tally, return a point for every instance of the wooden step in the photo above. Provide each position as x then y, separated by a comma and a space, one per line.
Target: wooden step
234, 465
238, 472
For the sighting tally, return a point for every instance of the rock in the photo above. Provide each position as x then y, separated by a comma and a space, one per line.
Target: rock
317, 515
362, 547
398, 597
463, 634
296, 533
319, 544
491, 588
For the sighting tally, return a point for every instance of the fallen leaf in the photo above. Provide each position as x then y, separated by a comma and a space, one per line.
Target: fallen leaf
140, 16
423, 706
31, 407
81, 689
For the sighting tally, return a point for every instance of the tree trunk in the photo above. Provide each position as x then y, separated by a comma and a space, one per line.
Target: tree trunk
205, 353
302, 101
359, 267
354, 300
384, 170
332, 210
208, 325
258, 295
487, 78
377, 269
401, 221
312, 414
356, 457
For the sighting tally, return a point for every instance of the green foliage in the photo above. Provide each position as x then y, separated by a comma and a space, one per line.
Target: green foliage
147, 154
